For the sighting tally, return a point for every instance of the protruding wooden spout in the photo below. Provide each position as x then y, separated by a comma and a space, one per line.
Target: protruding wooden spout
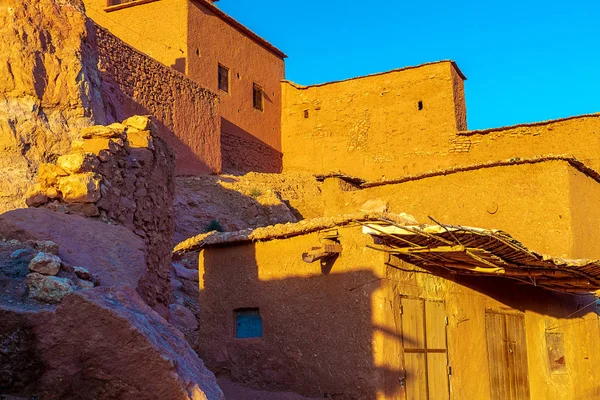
321, 252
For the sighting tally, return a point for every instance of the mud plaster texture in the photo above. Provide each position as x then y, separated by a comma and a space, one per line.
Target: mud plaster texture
547, 205
337, 331
372, 126
187, 114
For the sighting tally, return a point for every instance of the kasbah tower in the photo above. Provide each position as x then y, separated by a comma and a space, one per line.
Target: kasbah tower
396, 142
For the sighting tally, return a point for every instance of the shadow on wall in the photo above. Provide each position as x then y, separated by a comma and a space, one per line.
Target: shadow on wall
186, 161
201, 201
179, 65
242, 152
315, 330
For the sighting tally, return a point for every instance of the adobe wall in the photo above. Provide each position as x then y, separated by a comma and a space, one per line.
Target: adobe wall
372, 126
250, 137
157, 28
187, 114
338, 333
547, 205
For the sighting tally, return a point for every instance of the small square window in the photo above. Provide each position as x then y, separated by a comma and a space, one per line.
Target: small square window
257, 97
248, 323
223, 78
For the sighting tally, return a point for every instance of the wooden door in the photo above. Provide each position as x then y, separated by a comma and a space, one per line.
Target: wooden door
425, 350
507, 356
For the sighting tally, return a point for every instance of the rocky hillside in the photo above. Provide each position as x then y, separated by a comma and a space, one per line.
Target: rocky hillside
49, 87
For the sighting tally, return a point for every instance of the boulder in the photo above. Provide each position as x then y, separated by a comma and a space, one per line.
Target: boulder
78, 162
45, 264
80, 188
46, 246
82, 273
139, 139
49, 289
139, 122
101, 344
48, 174
106, 343
101, 131
112, 253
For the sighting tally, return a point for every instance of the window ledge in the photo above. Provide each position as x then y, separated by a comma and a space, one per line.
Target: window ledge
117, 7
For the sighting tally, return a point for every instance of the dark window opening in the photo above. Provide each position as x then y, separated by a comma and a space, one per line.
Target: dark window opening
305, 113
198, 52
223, 78
257, 97
420, 105
248, 323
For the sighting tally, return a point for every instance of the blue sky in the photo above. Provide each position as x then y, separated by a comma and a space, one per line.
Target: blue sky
525, 60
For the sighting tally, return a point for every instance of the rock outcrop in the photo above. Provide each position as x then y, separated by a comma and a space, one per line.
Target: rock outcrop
101, 344
49, 88
112, 253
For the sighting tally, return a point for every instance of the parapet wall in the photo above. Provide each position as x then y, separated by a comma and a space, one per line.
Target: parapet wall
380, 125
578, 136
187, 114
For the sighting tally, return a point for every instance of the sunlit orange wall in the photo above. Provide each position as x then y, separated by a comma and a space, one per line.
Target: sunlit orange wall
212, 41
372, 126
157, 28
339, 333
547, 205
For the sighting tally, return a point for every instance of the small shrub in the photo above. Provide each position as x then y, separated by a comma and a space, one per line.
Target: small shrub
213, 225
255, 192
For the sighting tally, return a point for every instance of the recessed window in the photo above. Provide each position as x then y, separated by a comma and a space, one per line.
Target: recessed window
420, 105
248, 323
305, 113
223, 78
257, 97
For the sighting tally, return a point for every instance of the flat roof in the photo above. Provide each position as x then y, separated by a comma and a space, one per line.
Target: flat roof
453, 63
458, 250
241, 28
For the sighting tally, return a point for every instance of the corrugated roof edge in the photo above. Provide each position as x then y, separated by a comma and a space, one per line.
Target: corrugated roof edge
524, 125
237, 25
453, 63
282, 231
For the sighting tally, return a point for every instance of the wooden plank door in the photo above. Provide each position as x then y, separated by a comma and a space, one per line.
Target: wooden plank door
425, 349
507, 356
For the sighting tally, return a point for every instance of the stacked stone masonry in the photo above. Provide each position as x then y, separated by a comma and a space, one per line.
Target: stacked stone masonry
187, 114
123, 174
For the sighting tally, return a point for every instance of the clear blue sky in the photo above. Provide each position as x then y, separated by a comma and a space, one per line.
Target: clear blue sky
525, 60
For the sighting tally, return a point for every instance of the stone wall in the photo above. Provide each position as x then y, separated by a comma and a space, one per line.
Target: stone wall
242, 155
187, 114
120, 174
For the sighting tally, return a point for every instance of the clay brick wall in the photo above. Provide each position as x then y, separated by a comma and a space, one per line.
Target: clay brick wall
213, 41
187, 114
373, 126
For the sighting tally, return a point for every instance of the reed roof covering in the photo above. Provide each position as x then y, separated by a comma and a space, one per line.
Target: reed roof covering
475, 251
